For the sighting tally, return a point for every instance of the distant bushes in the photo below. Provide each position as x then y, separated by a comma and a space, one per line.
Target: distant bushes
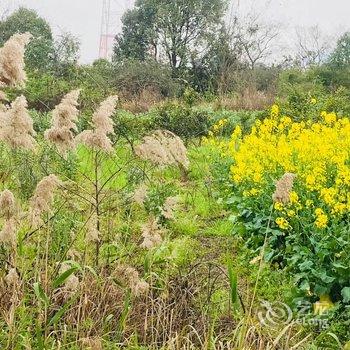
183, 120
131, 78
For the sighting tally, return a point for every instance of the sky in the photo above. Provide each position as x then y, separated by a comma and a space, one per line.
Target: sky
83, 17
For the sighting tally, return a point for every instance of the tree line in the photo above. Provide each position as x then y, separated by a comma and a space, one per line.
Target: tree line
167, 45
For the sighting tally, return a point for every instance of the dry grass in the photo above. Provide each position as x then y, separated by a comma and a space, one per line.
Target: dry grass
142, 102
249, 99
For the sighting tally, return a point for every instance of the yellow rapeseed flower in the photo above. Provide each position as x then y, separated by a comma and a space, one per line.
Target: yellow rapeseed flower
282, 223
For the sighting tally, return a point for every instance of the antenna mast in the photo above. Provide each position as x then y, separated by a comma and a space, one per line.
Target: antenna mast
111, 24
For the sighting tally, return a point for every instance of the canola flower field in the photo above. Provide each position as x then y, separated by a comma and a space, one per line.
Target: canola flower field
309, 232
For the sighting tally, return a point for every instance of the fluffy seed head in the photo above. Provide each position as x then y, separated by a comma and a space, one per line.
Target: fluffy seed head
12, 60
151, 234
7, 204
43, 197
12, 278
93, 234
131, 277
72, 283
64, 118
16, 126
140, 194
169, 207
163, 147
102, 126
283, 188
101, 119
92, 343
8, 233
3, 96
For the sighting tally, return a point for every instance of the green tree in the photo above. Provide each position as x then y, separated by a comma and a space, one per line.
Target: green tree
138, 35
41, 48
340, 57
67, 48
175, 31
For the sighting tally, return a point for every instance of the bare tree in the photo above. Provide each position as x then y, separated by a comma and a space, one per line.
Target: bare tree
313, 46
255, 38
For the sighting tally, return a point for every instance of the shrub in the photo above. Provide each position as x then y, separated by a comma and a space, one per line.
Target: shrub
133, 127
132, 77
307, 105
182, 120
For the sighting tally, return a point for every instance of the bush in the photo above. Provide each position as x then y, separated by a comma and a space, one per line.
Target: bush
131, 78
182, 120
307, 105
245, 119
132, 127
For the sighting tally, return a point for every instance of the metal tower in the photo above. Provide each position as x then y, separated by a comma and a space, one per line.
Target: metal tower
111, 24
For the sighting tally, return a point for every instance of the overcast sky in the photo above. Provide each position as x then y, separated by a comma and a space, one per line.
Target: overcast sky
83, 17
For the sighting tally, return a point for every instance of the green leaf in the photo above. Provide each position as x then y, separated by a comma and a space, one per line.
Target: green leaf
233, 285
340, 266
125, 313
56, 317
109, 318
304, 285
63, 277
306, 265
39, 336
40, 294
346, 294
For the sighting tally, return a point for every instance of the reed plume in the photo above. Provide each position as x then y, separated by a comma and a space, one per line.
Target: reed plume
7, 204
140, 194
8, 233
283, 188
72, 283
16, 126
102, 126
151, 234
64, 118
12, 278
8, 211
169, 206
12, 60
43, 198
131, 278
3, 96
163, 147
93, 234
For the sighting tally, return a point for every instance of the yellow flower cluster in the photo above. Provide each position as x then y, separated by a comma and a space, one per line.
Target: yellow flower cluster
214, 133
282, 223
321, 218
220, 124
317, 152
